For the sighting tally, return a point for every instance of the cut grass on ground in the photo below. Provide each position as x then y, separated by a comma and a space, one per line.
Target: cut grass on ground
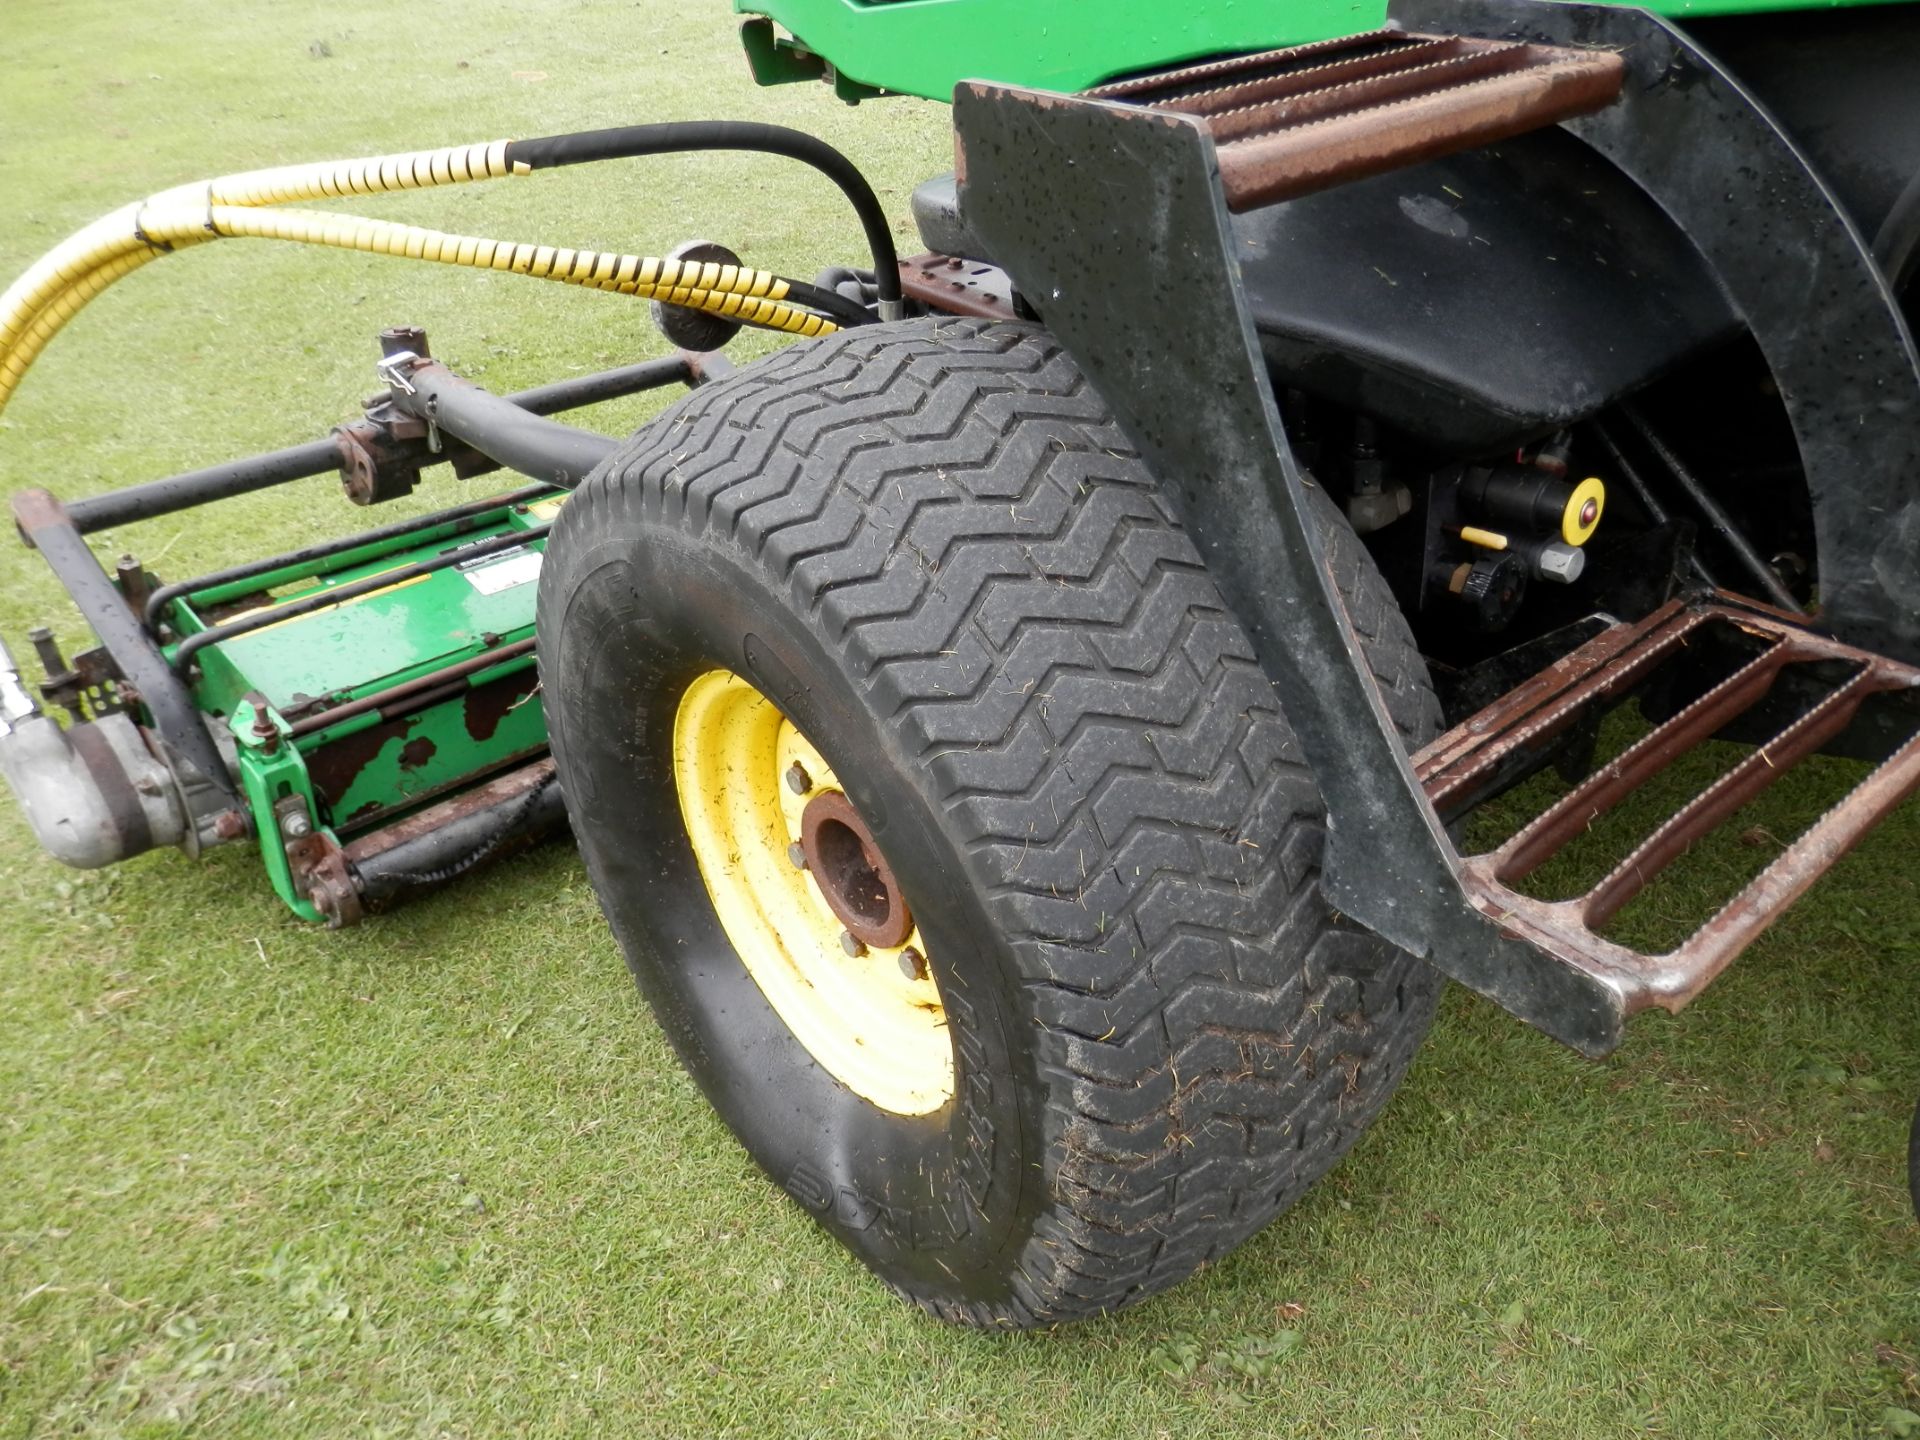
439, 1175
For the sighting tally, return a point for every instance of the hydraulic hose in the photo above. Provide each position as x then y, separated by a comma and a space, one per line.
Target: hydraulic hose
121, 233
627, 142
38, 304
736, 291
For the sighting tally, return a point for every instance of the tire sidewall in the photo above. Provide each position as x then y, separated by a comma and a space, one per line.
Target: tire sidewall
943, 1198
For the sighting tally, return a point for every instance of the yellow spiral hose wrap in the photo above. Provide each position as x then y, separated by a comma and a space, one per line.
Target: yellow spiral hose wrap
379, 175
46, 322
731, 290
56, 287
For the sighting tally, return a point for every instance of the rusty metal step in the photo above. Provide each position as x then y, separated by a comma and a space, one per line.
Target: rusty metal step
1289, 122
1484, 752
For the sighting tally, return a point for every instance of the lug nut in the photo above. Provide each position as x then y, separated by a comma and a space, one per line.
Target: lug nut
797, 853
798, 780
913, 964
852, 946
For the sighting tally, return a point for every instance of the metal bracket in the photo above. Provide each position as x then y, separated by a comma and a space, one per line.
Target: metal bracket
1797, 270
45, 524
1113, 222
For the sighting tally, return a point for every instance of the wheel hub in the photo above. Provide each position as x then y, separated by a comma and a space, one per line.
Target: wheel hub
853, 876
807, 898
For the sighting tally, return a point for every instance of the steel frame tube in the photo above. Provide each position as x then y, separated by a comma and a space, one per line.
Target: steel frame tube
45, 525
201, 487
192, 488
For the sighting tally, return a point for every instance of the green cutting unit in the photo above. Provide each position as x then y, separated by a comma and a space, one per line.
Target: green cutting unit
1021, 734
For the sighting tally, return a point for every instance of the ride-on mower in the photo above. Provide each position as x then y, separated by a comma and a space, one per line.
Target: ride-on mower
1033, 737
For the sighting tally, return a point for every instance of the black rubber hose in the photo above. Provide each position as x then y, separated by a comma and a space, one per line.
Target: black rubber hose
540, 449
841, 309
628, 142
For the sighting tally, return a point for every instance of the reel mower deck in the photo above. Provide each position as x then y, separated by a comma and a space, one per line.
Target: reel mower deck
373, 699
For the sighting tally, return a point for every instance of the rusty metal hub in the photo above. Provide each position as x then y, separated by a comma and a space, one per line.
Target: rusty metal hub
852, 874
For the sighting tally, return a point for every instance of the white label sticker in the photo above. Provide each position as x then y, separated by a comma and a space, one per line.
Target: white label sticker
519, 568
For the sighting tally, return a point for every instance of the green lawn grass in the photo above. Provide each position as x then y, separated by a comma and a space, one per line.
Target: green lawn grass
439, 1175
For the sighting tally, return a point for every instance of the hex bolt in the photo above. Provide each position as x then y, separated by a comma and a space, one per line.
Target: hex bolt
852, 946
229, 825
913, 964
798, 780
1562, 564
48, 650
295, 824
797, 853
263, 728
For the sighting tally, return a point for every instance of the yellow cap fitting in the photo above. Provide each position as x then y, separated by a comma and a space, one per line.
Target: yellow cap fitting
1584, 509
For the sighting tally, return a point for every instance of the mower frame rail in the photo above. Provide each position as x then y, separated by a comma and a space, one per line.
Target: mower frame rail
128, 627
193, 488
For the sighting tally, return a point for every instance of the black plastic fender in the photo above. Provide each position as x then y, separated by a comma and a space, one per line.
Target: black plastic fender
1472, 301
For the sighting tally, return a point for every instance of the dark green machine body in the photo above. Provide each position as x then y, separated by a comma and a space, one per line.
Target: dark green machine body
926, 47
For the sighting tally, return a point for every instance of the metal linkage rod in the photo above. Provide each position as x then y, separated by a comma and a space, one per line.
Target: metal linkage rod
320, 457
1713, 512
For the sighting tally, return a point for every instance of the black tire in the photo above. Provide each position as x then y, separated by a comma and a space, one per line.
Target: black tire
930, 545
1913, 1161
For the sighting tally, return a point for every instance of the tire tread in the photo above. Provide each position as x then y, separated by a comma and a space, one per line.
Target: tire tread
950, 502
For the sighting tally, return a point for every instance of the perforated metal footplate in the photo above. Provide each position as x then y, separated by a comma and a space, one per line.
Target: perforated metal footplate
1834, 682
1289, 122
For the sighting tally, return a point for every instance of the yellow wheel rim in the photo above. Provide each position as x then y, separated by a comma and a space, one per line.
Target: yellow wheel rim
872, 1019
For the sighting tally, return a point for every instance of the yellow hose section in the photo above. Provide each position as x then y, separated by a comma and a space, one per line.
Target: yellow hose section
47, 322
417, 170
735, 291
55, 288
120, 232
71, 260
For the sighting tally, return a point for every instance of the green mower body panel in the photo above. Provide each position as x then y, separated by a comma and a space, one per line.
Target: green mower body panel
384, 761
926, 47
